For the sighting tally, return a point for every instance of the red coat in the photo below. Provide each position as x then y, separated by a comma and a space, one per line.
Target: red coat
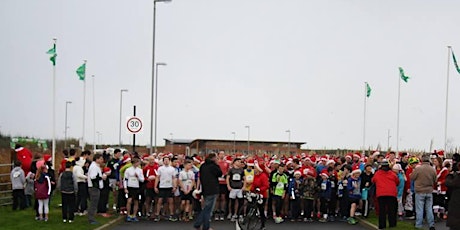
386, 183
261, 182
25, 157
441, 179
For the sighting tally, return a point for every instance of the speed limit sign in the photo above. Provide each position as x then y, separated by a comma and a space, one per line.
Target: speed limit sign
134, 125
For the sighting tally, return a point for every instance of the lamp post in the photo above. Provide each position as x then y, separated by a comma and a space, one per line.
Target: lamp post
99, 134
153, 71
156, 100
249, 131
121, 106
171, 142
289, 140
66, 127
234, 142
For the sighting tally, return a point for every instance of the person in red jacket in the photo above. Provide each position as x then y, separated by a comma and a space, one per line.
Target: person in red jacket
260, 185
386, 182
24, 155
150, 173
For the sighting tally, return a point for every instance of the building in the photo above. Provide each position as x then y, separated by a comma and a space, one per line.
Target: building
205, 146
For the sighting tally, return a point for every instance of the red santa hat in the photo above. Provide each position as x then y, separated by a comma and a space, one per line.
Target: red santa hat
228, 159
324, 173
349, 155
330, 162
297, 172
357, 154
323, 158
126, 159
47, 157
197, 159
250, 162
355, 169
313, 159
107, 170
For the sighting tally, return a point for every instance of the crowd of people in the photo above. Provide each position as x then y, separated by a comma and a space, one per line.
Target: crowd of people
301, 188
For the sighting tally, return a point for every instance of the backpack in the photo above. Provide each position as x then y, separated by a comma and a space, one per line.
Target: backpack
41, 190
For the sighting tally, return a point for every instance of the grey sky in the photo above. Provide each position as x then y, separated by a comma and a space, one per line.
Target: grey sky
273, 65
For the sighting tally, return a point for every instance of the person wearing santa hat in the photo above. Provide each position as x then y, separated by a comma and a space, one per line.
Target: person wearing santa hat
278, 185
354, 193
325, 194
261, 186
309, 192
150, 173
68, 187
294, 190
24, 155
221, 208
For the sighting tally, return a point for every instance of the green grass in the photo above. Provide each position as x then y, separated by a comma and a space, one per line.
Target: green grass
25, 219
406, 224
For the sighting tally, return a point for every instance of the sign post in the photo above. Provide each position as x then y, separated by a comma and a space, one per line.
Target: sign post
134, 125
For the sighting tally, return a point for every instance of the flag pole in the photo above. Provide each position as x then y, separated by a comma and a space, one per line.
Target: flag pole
83, 127
449, 50
364, 126
54, 111
94, 115
397, 120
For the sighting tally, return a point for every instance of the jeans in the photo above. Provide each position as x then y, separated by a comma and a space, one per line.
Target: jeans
94, 194
424, 200
205, 214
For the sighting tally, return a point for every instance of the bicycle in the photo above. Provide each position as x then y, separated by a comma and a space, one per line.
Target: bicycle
250, 221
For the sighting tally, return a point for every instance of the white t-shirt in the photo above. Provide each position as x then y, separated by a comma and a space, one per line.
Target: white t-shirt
166, 176
186, 179
132, 177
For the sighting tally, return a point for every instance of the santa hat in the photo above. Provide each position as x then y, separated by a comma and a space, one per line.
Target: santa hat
307, 159
196, 194
323, 158
126, 159
446, 161
324, 173
313, 159
440, 153
375, 154
297, 172
397, 167
349, 155
47, 157
107, 170
355, 169
357, 154
145, 156
303, 155
228, 159
197, 159
250, 162
330, 162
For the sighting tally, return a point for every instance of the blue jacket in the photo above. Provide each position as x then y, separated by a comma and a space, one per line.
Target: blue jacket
354, 192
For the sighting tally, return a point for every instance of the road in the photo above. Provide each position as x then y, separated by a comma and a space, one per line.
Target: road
227, 225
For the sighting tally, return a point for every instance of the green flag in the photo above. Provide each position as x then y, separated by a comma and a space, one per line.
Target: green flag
81, 71
455, 62
53, 54
403, 76
368, 90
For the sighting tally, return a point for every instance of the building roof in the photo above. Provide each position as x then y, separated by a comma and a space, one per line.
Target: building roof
179, 141
252, 141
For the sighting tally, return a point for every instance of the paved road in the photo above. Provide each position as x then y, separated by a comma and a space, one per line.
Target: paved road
227, 225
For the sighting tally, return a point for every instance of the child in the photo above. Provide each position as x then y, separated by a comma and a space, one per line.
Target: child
342, 192
42, 192
354, 193
402, 180
186, 185
29, 188
68, 187
294, 189
279, 182
17, 180
309, 192
324, 194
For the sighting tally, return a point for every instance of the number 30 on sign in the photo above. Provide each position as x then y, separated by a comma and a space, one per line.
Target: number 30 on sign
134, 125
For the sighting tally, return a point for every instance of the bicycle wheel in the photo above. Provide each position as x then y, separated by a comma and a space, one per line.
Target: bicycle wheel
251, 221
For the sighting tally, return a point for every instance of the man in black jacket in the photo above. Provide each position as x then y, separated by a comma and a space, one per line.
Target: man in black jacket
209, 177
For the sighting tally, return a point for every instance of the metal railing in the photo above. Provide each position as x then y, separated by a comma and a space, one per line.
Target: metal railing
5, 187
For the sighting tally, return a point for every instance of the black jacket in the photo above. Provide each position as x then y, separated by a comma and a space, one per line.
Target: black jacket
453, 185
209, 178
68, 183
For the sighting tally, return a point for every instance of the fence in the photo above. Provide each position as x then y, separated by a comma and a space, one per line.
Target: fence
5, 185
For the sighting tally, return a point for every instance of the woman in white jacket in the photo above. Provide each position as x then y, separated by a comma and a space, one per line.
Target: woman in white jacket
82, 194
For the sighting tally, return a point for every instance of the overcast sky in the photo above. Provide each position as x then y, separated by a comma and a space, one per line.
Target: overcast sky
273, 65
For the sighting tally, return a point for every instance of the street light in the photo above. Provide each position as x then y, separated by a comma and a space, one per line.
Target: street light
121, 106
66, 127
99, 134
234, 142
171, 142
156, 100
153, 71
249, 131
289, 140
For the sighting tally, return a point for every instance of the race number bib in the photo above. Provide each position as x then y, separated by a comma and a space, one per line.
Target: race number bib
280, 185
236, 177
250, 178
